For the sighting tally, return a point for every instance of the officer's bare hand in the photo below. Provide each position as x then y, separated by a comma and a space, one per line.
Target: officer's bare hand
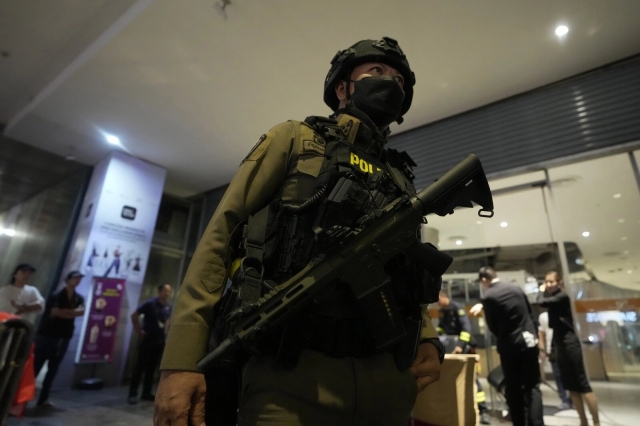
426, 366
180, 399
457, 350
476, 309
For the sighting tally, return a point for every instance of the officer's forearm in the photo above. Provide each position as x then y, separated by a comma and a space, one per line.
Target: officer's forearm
256, 181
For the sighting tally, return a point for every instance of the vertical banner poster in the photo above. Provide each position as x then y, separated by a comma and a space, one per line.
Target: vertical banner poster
98, 334
112, 240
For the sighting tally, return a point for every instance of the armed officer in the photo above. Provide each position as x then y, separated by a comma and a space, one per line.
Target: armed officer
301, 180
454, 321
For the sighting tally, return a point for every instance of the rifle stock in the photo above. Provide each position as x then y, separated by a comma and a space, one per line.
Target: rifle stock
381, 236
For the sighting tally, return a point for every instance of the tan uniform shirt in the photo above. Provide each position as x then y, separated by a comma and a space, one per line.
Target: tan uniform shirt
283, 165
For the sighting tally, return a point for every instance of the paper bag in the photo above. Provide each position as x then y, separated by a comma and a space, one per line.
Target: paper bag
451, 400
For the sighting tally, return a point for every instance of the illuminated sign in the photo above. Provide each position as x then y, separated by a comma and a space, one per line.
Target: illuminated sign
617, 316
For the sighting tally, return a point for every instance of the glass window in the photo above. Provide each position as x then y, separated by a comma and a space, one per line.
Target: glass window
598, 204
171, 225
38, 232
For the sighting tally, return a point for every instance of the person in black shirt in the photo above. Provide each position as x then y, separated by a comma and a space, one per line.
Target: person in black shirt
55, 331
151, 336
567, 348
509, 316
454, 321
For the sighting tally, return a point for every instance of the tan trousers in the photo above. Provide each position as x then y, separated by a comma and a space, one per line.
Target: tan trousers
326, 391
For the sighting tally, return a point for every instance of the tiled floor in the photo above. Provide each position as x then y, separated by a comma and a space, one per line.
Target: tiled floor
106, 407
619, 405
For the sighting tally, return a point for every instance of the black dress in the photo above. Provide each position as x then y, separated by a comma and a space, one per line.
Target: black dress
566, 343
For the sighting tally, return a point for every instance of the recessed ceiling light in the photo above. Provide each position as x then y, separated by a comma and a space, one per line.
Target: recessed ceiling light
504, 224
458, 242
10, 232
624, 238
625, 252
620, 220
585, 234
114, 140
478, 222
629, 271
617, 195
562, 30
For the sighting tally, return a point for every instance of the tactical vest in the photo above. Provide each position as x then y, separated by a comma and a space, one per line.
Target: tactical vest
348, 184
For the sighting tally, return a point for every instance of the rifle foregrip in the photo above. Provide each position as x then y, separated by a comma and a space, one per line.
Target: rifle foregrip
217, 354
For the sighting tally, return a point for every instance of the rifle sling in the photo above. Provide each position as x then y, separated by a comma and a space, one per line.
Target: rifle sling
250, 281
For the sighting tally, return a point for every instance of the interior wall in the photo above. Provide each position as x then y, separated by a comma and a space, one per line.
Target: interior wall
42, 226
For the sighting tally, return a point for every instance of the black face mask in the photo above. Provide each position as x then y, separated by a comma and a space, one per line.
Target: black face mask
379, 97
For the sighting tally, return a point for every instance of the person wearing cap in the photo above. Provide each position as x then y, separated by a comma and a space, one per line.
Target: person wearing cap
321, 368
55, 331
20, 298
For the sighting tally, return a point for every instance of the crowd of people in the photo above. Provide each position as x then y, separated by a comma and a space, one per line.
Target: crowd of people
55, 328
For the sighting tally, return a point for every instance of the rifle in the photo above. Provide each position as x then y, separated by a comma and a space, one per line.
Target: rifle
377, 239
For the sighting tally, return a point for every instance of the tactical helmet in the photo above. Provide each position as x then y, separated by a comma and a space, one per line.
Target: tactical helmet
385, 50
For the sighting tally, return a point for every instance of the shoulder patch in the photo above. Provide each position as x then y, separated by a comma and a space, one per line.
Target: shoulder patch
317, 145
257, 149
462, 312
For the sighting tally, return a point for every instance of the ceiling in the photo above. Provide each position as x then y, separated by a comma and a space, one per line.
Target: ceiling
189, 90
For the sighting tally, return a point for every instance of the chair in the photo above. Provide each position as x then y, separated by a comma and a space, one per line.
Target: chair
16, 338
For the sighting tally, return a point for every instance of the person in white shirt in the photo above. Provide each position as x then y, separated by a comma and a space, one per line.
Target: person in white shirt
20, 298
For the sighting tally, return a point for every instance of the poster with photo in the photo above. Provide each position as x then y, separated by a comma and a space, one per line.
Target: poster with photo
98, 334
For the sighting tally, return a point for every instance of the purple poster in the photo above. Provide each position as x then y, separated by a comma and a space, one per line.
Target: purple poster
99, 329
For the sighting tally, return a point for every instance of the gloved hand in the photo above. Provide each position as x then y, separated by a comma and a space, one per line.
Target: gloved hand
476, 309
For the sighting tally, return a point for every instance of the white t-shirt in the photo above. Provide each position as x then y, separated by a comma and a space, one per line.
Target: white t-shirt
543, 319
27, 295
